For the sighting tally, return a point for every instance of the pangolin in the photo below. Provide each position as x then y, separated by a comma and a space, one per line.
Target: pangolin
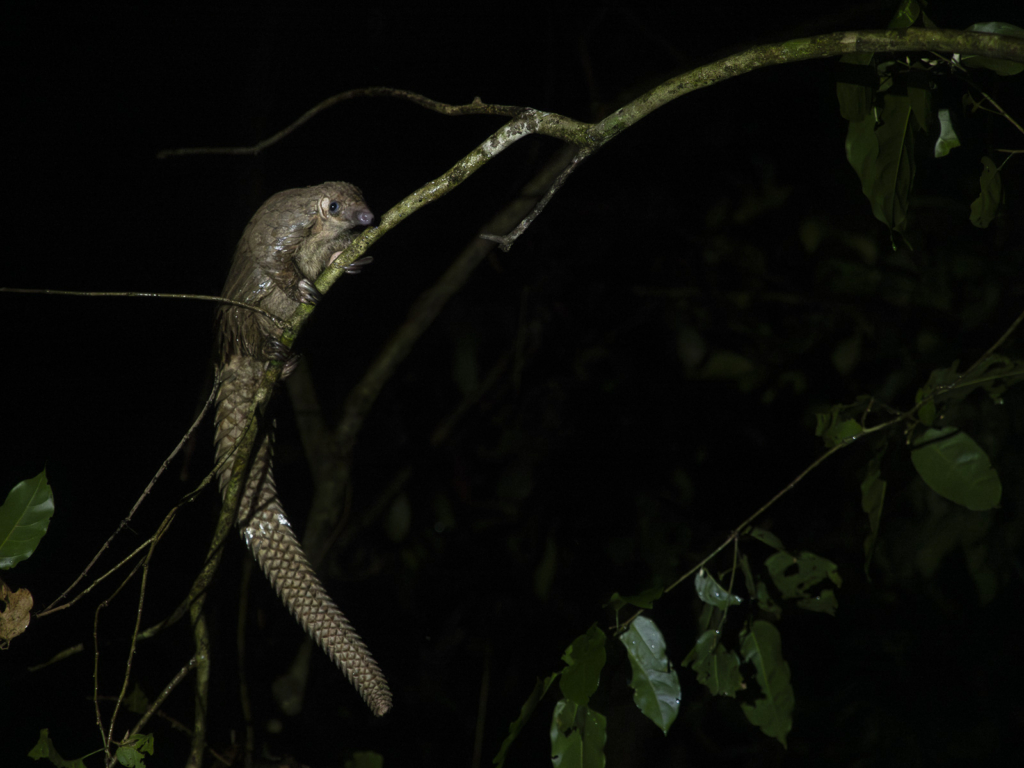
289, 241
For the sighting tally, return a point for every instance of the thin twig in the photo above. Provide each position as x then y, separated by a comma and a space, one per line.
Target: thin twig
159, 700
145, 295
138, 620
188, 498
224, 525
103, 577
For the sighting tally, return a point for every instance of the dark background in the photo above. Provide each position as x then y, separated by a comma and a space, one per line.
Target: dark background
695, 292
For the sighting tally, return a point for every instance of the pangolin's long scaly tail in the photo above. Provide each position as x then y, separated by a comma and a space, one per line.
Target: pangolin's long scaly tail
269, 536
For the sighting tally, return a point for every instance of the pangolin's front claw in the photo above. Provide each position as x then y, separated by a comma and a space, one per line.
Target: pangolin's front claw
308, 293
357, 266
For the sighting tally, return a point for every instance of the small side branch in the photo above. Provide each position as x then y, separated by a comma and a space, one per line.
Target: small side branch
505, 241
476, 107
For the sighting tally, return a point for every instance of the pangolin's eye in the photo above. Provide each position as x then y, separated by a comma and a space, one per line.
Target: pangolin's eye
334, 207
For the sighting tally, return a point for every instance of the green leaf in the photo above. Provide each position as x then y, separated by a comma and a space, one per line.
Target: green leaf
720, 672
881, 151
999, 66
584, 661
578, 736
717, 668
24, 518
793, 576
516, 727
956, 467
905, 15
840, 432
713, 593
986, 205
766, 537
872, 498
655, 684
840, 423
773, 714
44, 749
130, 753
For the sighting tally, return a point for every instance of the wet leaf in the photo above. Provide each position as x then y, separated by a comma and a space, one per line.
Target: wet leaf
713, 593
655, 684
